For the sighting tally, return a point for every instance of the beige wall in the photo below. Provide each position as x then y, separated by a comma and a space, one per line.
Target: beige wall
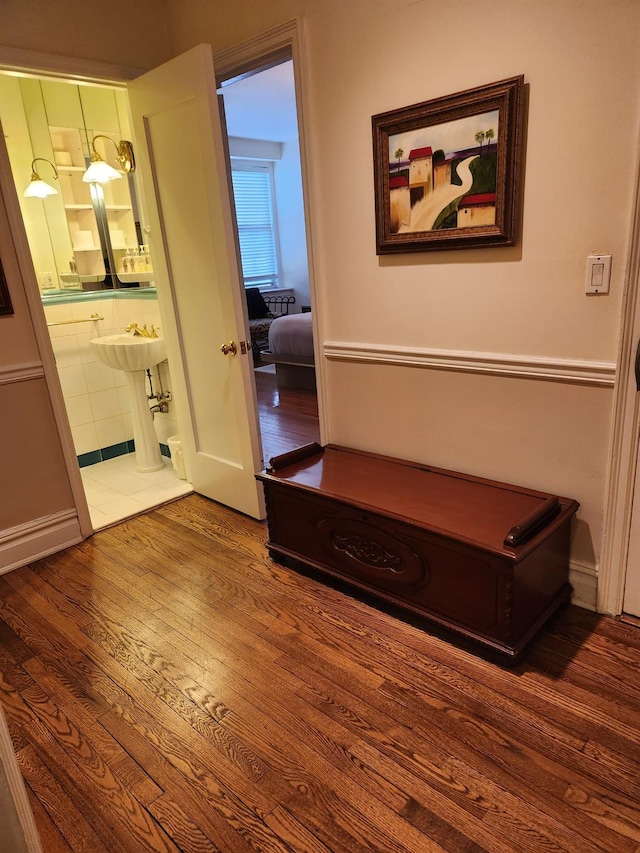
118, 32
524, 305
33, 472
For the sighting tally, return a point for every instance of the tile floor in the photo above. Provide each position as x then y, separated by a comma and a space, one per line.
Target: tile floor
116, 491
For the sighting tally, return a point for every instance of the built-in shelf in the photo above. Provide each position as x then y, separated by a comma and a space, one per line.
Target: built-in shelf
107, 212
74, 278
127, 277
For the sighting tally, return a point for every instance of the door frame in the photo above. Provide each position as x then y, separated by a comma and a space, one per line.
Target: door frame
270, 48
280, 42
56, 68
623, 445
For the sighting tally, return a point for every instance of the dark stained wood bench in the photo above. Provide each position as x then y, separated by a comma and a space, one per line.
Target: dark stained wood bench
486, 559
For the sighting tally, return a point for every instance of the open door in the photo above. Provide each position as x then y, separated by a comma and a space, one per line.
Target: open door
181, 156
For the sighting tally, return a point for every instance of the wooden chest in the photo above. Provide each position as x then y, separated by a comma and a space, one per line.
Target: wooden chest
486, 559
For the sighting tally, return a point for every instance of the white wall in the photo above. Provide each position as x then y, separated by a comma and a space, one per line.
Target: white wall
291, 223
287, 177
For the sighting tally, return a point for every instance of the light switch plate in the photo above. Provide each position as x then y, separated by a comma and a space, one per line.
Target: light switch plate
598, 274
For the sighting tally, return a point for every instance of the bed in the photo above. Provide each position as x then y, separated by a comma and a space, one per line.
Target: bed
291, 350
262, 310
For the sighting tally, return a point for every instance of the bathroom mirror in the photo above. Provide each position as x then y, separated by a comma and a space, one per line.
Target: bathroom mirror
88, 236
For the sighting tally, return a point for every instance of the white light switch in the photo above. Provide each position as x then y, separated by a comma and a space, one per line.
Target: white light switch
598, 274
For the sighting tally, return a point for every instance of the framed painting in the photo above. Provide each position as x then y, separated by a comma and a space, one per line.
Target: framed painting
447, 171
5, 299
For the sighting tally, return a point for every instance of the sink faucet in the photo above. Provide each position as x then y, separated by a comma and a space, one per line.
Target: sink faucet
141, 332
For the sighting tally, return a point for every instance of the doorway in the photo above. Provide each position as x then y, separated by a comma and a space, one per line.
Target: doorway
264, 150
95, 277
221, 427
631, 601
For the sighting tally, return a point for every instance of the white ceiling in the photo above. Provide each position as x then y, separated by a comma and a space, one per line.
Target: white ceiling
263, 106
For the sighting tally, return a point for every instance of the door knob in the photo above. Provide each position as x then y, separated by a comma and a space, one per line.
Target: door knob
231, 347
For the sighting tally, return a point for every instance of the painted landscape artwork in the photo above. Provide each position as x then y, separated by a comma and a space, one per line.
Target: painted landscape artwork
444, 176
448, 171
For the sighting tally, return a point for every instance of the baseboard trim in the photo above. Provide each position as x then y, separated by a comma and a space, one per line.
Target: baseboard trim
584, 580
25, 543
573, 371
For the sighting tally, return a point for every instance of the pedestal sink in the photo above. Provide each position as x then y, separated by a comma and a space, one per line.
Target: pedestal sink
134, 355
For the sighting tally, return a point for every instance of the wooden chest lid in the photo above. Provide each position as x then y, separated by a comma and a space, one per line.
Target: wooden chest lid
497, 517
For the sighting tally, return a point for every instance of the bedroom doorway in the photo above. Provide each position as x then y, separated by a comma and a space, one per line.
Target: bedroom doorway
264, 149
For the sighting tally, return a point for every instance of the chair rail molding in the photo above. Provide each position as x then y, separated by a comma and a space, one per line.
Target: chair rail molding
574, 371
21, 372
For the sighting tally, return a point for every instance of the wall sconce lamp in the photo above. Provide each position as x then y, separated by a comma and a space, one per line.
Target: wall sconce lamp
101, 172
37, 187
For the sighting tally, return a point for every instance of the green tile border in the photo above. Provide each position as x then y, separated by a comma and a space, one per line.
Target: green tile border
113, 451
92, 458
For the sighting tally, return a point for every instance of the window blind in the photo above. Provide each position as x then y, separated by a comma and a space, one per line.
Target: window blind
253, 193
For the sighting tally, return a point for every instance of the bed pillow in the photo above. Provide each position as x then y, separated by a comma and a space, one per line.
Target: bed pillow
256, 305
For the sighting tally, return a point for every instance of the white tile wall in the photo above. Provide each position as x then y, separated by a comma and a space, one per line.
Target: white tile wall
111, 431
96, 396
73, 381
104, 404
66, 351
85, 438
79, 410
124, 398
99, 376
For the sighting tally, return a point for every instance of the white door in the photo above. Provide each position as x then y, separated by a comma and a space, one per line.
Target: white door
631, 602
181, 156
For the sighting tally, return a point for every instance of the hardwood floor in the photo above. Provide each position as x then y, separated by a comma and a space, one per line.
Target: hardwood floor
168, 687
288, 418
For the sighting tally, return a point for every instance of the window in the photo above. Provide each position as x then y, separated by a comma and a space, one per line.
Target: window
255, 215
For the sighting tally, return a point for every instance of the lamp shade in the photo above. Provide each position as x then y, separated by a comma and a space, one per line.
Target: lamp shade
39, 189
100, 172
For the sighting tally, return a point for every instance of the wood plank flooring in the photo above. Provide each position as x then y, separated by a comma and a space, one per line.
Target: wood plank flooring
288, 418
168, 687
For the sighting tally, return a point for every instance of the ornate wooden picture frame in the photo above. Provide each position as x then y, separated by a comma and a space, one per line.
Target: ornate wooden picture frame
5, 300
447, 171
